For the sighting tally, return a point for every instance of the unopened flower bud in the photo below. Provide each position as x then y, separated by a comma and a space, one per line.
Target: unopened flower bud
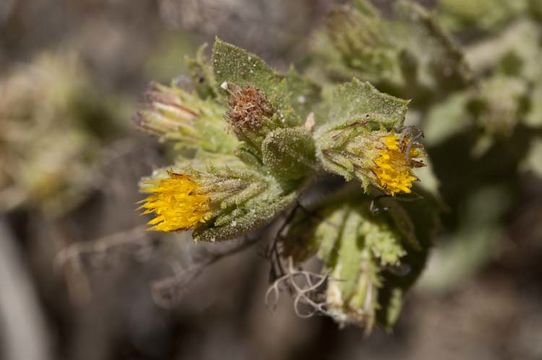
289, 153
176, 115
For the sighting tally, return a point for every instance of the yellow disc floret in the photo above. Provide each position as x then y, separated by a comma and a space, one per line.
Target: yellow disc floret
178, 202
393, 164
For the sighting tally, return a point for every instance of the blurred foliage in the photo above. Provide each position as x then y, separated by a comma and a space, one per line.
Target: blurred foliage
53, 124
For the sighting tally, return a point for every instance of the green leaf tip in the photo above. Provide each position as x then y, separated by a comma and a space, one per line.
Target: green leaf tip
233, 64
358, 100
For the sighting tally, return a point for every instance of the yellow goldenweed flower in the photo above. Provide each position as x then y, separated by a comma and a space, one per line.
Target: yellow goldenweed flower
393, 164
178, 203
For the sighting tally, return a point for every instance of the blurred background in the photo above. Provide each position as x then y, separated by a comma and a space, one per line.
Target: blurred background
78, 273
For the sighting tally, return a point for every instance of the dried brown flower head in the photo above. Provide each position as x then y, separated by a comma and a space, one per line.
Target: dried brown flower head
248, 108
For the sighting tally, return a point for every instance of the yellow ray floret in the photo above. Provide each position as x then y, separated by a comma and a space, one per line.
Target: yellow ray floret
178, 203
393, 167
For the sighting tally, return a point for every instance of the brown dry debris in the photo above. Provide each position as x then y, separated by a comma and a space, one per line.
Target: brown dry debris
248, 107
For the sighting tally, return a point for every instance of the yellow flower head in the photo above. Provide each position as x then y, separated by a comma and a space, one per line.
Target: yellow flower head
178, 202
393, 163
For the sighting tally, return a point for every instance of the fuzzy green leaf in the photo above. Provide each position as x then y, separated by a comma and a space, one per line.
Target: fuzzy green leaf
359, 100
233, 64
